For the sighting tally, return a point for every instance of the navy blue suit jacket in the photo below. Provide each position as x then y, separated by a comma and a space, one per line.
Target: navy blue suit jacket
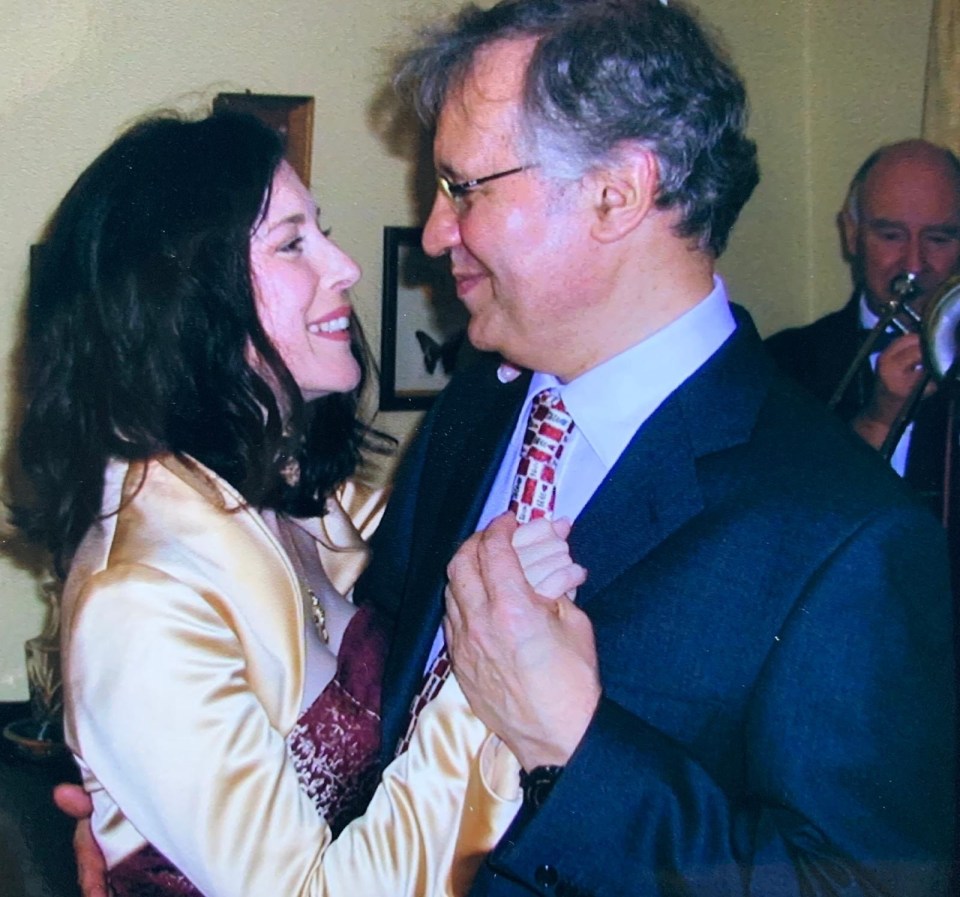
818, 355
773, 624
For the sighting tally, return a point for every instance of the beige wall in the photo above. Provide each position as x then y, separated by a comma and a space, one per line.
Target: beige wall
828, 80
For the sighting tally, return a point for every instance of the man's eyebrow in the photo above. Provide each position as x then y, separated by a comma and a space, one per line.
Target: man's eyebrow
448, 171
950, 229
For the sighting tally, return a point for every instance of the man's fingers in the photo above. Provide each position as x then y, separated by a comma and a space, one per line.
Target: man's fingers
464, 565
453, 613
91, 866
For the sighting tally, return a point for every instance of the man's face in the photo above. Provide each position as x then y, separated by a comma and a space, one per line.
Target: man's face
519, 245
909, 221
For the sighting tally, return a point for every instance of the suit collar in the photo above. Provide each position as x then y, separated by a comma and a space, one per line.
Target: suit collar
654, 488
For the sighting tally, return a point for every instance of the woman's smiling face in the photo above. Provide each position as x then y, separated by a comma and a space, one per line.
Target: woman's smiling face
300, 279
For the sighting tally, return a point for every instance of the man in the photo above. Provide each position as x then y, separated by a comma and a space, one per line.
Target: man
771, 618
901, 216
768, 645
767, 708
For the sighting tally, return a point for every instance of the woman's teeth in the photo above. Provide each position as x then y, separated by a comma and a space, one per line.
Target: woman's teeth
337, 324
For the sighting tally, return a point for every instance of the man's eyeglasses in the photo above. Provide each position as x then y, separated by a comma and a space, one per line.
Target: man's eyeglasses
457, 192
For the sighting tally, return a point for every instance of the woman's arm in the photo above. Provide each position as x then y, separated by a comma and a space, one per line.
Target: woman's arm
166, 723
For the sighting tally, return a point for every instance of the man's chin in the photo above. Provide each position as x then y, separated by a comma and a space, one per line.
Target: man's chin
480, 339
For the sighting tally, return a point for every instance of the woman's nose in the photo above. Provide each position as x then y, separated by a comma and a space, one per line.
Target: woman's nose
339, 271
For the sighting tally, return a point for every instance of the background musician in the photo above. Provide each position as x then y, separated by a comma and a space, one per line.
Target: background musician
901, 216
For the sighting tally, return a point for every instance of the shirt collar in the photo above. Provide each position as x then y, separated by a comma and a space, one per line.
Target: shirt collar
868, 320
610, 402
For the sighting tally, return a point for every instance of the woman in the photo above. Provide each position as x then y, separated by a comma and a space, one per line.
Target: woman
194, 368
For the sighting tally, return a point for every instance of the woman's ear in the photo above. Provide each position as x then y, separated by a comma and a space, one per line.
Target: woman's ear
623, 193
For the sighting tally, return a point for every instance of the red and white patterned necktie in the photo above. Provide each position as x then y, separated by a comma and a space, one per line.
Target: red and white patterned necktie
549, 426
533, 495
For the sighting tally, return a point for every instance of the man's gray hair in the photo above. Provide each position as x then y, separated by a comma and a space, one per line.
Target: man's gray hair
606, 74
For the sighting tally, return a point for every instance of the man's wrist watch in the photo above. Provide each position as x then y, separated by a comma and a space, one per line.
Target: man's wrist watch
537, 784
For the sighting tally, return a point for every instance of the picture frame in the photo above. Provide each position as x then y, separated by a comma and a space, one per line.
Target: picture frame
291, 115
423, 324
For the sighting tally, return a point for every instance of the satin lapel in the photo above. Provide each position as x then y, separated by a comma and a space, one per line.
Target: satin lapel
655, 487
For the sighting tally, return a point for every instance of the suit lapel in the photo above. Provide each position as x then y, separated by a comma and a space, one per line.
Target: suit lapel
655, 487
470, 431
465, 455
652, 491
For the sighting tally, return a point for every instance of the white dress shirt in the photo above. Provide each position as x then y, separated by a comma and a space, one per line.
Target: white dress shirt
610, 402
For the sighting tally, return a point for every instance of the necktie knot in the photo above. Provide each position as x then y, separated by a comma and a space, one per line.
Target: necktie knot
548, 428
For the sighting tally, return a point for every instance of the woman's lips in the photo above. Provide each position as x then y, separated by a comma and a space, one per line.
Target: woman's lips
335, 325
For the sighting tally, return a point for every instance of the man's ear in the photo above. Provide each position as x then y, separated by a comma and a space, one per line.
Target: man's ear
848, 236
623, 193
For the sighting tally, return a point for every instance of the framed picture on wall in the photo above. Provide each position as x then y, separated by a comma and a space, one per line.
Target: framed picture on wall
292, 116
423, 325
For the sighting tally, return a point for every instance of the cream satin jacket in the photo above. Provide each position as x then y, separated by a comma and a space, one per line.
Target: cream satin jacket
183, 669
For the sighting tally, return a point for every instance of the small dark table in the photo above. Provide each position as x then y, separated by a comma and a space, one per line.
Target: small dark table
36, 859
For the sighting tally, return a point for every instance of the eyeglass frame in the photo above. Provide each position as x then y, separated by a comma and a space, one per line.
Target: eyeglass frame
457, 192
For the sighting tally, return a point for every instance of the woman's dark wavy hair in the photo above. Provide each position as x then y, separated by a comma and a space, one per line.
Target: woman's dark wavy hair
140, 327
605, 73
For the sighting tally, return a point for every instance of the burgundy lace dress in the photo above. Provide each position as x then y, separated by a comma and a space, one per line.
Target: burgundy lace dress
334, 748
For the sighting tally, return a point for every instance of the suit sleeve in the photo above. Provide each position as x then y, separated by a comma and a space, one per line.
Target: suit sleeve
167, 725
848, 756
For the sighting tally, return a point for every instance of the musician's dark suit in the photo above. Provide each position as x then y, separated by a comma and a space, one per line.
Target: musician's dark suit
773, 627
817, 357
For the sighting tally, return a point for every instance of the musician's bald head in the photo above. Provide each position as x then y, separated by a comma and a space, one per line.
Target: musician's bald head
902, 214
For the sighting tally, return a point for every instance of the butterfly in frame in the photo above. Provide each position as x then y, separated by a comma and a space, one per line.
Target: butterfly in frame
434, 353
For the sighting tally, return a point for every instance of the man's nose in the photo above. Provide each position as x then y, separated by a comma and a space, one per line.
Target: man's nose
442, 230
916, 257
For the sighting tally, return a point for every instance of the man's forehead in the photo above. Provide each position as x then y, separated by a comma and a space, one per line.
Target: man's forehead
910, 207
479, 117
910, 181
492, 83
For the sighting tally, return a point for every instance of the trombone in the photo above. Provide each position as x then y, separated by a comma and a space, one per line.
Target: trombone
939, 337
939, 330
898, 312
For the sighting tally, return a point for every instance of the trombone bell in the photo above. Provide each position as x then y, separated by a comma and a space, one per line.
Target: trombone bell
940, 333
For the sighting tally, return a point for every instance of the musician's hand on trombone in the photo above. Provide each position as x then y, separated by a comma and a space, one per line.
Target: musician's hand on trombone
899, 370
